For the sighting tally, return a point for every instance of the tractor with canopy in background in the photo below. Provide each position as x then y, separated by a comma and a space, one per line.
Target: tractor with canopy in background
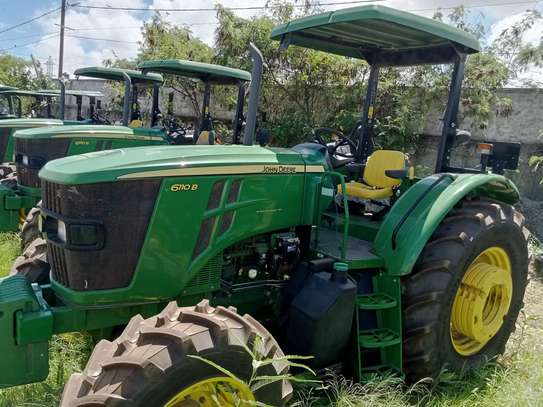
40, 110
35, 147
251, 247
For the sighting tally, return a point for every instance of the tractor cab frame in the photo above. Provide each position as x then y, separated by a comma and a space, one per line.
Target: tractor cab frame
133, 81
385, 37
210, 75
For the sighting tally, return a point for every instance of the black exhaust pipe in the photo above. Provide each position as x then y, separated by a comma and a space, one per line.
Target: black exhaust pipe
256, 80
127, 98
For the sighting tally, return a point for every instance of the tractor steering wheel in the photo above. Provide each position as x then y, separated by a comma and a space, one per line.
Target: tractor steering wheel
341, 141
98, 118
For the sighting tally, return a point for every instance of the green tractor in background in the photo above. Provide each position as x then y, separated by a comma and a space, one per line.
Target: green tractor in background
276, 249
35, 147
40, 115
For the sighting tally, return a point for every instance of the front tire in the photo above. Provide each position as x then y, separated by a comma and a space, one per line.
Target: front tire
462, 300
33, 263
148, 365
30, 230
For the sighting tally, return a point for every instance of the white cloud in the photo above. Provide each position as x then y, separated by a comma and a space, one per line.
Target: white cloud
104, 24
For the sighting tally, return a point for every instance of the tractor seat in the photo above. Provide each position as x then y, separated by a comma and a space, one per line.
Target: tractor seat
376, 184
206, 137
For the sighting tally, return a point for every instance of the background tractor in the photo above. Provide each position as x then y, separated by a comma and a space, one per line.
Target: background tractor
35, 147
208, 233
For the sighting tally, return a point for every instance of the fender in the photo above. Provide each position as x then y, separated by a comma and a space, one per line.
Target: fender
419, 211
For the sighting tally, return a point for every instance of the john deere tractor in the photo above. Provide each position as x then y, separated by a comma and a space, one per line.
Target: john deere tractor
250, 247
34, 147
41, 114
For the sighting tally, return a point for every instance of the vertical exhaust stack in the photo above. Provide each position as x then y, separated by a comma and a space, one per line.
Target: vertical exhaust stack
127, 98
62, 99
256, 80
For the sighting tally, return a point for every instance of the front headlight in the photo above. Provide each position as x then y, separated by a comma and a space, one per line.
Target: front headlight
61, 231
25, 160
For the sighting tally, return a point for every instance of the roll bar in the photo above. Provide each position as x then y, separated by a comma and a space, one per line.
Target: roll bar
256, 80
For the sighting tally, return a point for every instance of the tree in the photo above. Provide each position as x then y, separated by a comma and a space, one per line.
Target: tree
162, 40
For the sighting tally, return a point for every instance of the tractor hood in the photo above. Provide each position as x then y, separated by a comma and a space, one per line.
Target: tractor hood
30, 122
175, 161
91, 131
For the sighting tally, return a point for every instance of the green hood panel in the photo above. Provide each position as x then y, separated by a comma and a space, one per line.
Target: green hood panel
172, 161
91, 131
30, 122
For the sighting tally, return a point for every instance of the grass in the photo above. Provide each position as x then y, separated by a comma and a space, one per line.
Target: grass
514, 379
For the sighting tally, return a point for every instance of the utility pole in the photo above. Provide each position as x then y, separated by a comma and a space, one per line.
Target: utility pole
61, 47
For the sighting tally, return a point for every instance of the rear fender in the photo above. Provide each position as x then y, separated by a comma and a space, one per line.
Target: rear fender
419, 211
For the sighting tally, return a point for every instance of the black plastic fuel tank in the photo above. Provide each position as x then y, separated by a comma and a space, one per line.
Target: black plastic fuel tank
320, 318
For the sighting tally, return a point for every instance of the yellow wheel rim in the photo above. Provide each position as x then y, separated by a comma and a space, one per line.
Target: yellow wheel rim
214, 392
22, 216
482, 301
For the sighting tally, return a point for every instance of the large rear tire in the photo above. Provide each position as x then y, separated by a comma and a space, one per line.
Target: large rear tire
33, 263
462, 300
148, 365
30, 230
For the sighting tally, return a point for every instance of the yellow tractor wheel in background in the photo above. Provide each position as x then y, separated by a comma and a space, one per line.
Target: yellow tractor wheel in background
461, 301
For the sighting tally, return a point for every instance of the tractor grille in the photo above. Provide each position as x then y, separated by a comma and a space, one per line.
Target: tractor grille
38, 152
124, 211
4, 137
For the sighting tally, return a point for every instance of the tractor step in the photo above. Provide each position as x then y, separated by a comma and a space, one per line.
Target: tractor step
376, 301
378, 338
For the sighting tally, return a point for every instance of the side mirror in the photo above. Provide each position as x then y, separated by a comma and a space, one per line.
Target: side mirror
463, 137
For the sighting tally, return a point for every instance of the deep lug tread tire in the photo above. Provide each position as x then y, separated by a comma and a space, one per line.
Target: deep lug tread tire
6, 170
30, 229
148, 364
428, 293
9, 181
33, 263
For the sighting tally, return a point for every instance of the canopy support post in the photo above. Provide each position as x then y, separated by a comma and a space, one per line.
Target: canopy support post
365, 128
238, 119
155, 110
450, 119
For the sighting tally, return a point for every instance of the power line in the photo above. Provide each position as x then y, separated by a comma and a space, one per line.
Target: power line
509, 3
106, 7
29, 43
27, 36
30, 20
101, 39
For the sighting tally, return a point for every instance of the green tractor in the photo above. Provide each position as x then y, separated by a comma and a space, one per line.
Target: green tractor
34, 147
200, 252
41, 104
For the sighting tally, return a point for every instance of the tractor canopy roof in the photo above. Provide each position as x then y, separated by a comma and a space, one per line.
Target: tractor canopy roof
116, 74
380, 35
34, 93
6, 87
75, 92
210, 73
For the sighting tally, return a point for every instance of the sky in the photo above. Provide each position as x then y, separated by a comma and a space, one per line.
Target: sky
93, 36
